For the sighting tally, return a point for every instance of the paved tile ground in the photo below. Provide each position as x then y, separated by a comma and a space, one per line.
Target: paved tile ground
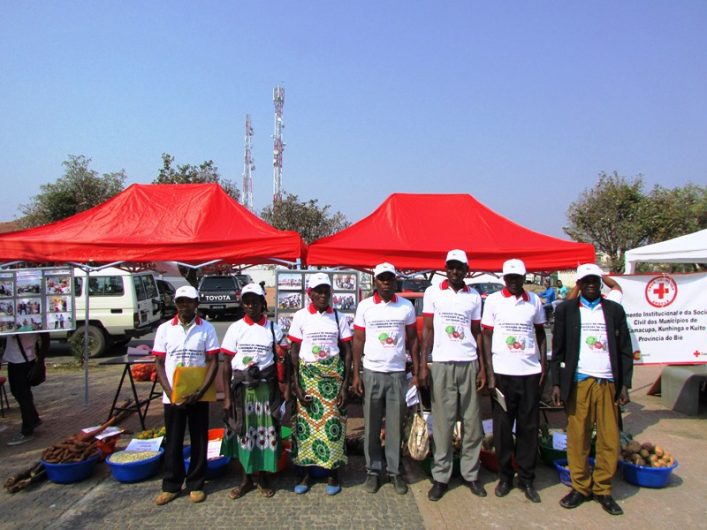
102, 502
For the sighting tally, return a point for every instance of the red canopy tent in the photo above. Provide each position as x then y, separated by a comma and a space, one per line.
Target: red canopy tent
189, 223
415, 231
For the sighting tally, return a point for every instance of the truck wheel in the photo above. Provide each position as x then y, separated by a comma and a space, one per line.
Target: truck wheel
97, 341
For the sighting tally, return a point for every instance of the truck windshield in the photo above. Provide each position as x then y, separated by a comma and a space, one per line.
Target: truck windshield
222, 283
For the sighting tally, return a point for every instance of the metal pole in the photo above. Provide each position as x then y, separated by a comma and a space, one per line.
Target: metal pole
85, 342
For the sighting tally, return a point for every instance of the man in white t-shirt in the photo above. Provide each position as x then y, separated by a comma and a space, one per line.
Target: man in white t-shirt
452, 334
383, 325
591, 369
185, 340
516, 359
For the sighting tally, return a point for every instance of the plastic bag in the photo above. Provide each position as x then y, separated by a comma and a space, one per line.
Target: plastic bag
419, 437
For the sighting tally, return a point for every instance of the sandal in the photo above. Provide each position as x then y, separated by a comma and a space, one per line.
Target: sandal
265, 491
239, 491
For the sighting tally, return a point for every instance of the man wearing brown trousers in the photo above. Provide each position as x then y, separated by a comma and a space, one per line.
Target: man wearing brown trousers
591, 371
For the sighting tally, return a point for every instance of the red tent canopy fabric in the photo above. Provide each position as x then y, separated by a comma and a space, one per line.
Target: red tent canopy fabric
415, 231
190, 223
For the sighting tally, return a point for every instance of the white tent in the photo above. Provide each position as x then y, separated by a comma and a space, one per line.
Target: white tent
691, 248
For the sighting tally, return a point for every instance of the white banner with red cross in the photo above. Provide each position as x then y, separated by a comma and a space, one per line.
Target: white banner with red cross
667, 314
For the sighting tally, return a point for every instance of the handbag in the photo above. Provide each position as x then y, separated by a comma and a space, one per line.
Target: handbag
37, 373
419, 437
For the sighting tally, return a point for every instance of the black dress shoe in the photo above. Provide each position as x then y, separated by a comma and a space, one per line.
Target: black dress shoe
530, 492
503, 487
437, 491
372, 483
476, 487
573, 499
609, 504
399, 484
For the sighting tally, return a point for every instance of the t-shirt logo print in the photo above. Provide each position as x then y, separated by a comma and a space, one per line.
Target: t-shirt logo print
455, 333
387, 339
595, 343
320, 351
515, 344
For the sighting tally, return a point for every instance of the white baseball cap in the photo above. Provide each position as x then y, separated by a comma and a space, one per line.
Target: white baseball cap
457, 255
252, 288
588, 269
514, 266
320, 278
186, 291
384, 267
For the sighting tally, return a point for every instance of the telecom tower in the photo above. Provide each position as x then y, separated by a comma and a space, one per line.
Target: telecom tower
278, 97
248, 165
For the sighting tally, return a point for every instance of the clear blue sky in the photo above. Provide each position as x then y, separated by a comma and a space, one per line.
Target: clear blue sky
519, 103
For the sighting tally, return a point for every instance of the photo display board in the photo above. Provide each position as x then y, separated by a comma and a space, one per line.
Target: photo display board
291, 293
33, 300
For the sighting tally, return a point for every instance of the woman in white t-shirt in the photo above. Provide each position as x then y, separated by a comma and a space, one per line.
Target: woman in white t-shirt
320, 382
252, 399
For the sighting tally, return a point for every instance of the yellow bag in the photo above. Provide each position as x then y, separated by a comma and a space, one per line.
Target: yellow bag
187, 380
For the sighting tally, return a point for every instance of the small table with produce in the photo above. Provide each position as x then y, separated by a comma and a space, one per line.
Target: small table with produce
139, 405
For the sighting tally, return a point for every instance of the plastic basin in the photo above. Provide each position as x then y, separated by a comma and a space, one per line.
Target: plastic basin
285, 448
214, 468
70, 472
647, 477
135, 471
490, 462
549, 455
564, 474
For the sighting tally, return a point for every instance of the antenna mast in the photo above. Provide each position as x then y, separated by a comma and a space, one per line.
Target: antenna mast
278, 97
248, 165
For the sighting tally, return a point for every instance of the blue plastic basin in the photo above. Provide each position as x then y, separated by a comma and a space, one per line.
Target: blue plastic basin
70, 472
648, 477
214, 468
135, 471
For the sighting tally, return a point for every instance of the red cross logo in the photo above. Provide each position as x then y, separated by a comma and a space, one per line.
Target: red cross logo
661, 291
697, 353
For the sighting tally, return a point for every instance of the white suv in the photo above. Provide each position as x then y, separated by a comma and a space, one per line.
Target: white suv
122, 305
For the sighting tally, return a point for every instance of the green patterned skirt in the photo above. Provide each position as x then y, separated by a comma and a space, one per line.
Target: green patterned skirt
259, 448
320, 429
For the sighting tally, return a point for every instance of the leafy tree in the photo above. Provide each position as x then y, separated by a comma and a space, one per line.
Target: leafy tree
191, 174
79, 189
311, 220
678, 211
616, 215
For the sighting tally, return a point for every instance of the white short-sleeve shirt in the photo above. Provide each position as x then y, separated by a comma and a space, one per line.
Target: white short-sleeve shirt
318, 334
385, 325
513, 321
180, 346
12, 349
452, 313
594, 359
250, 343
